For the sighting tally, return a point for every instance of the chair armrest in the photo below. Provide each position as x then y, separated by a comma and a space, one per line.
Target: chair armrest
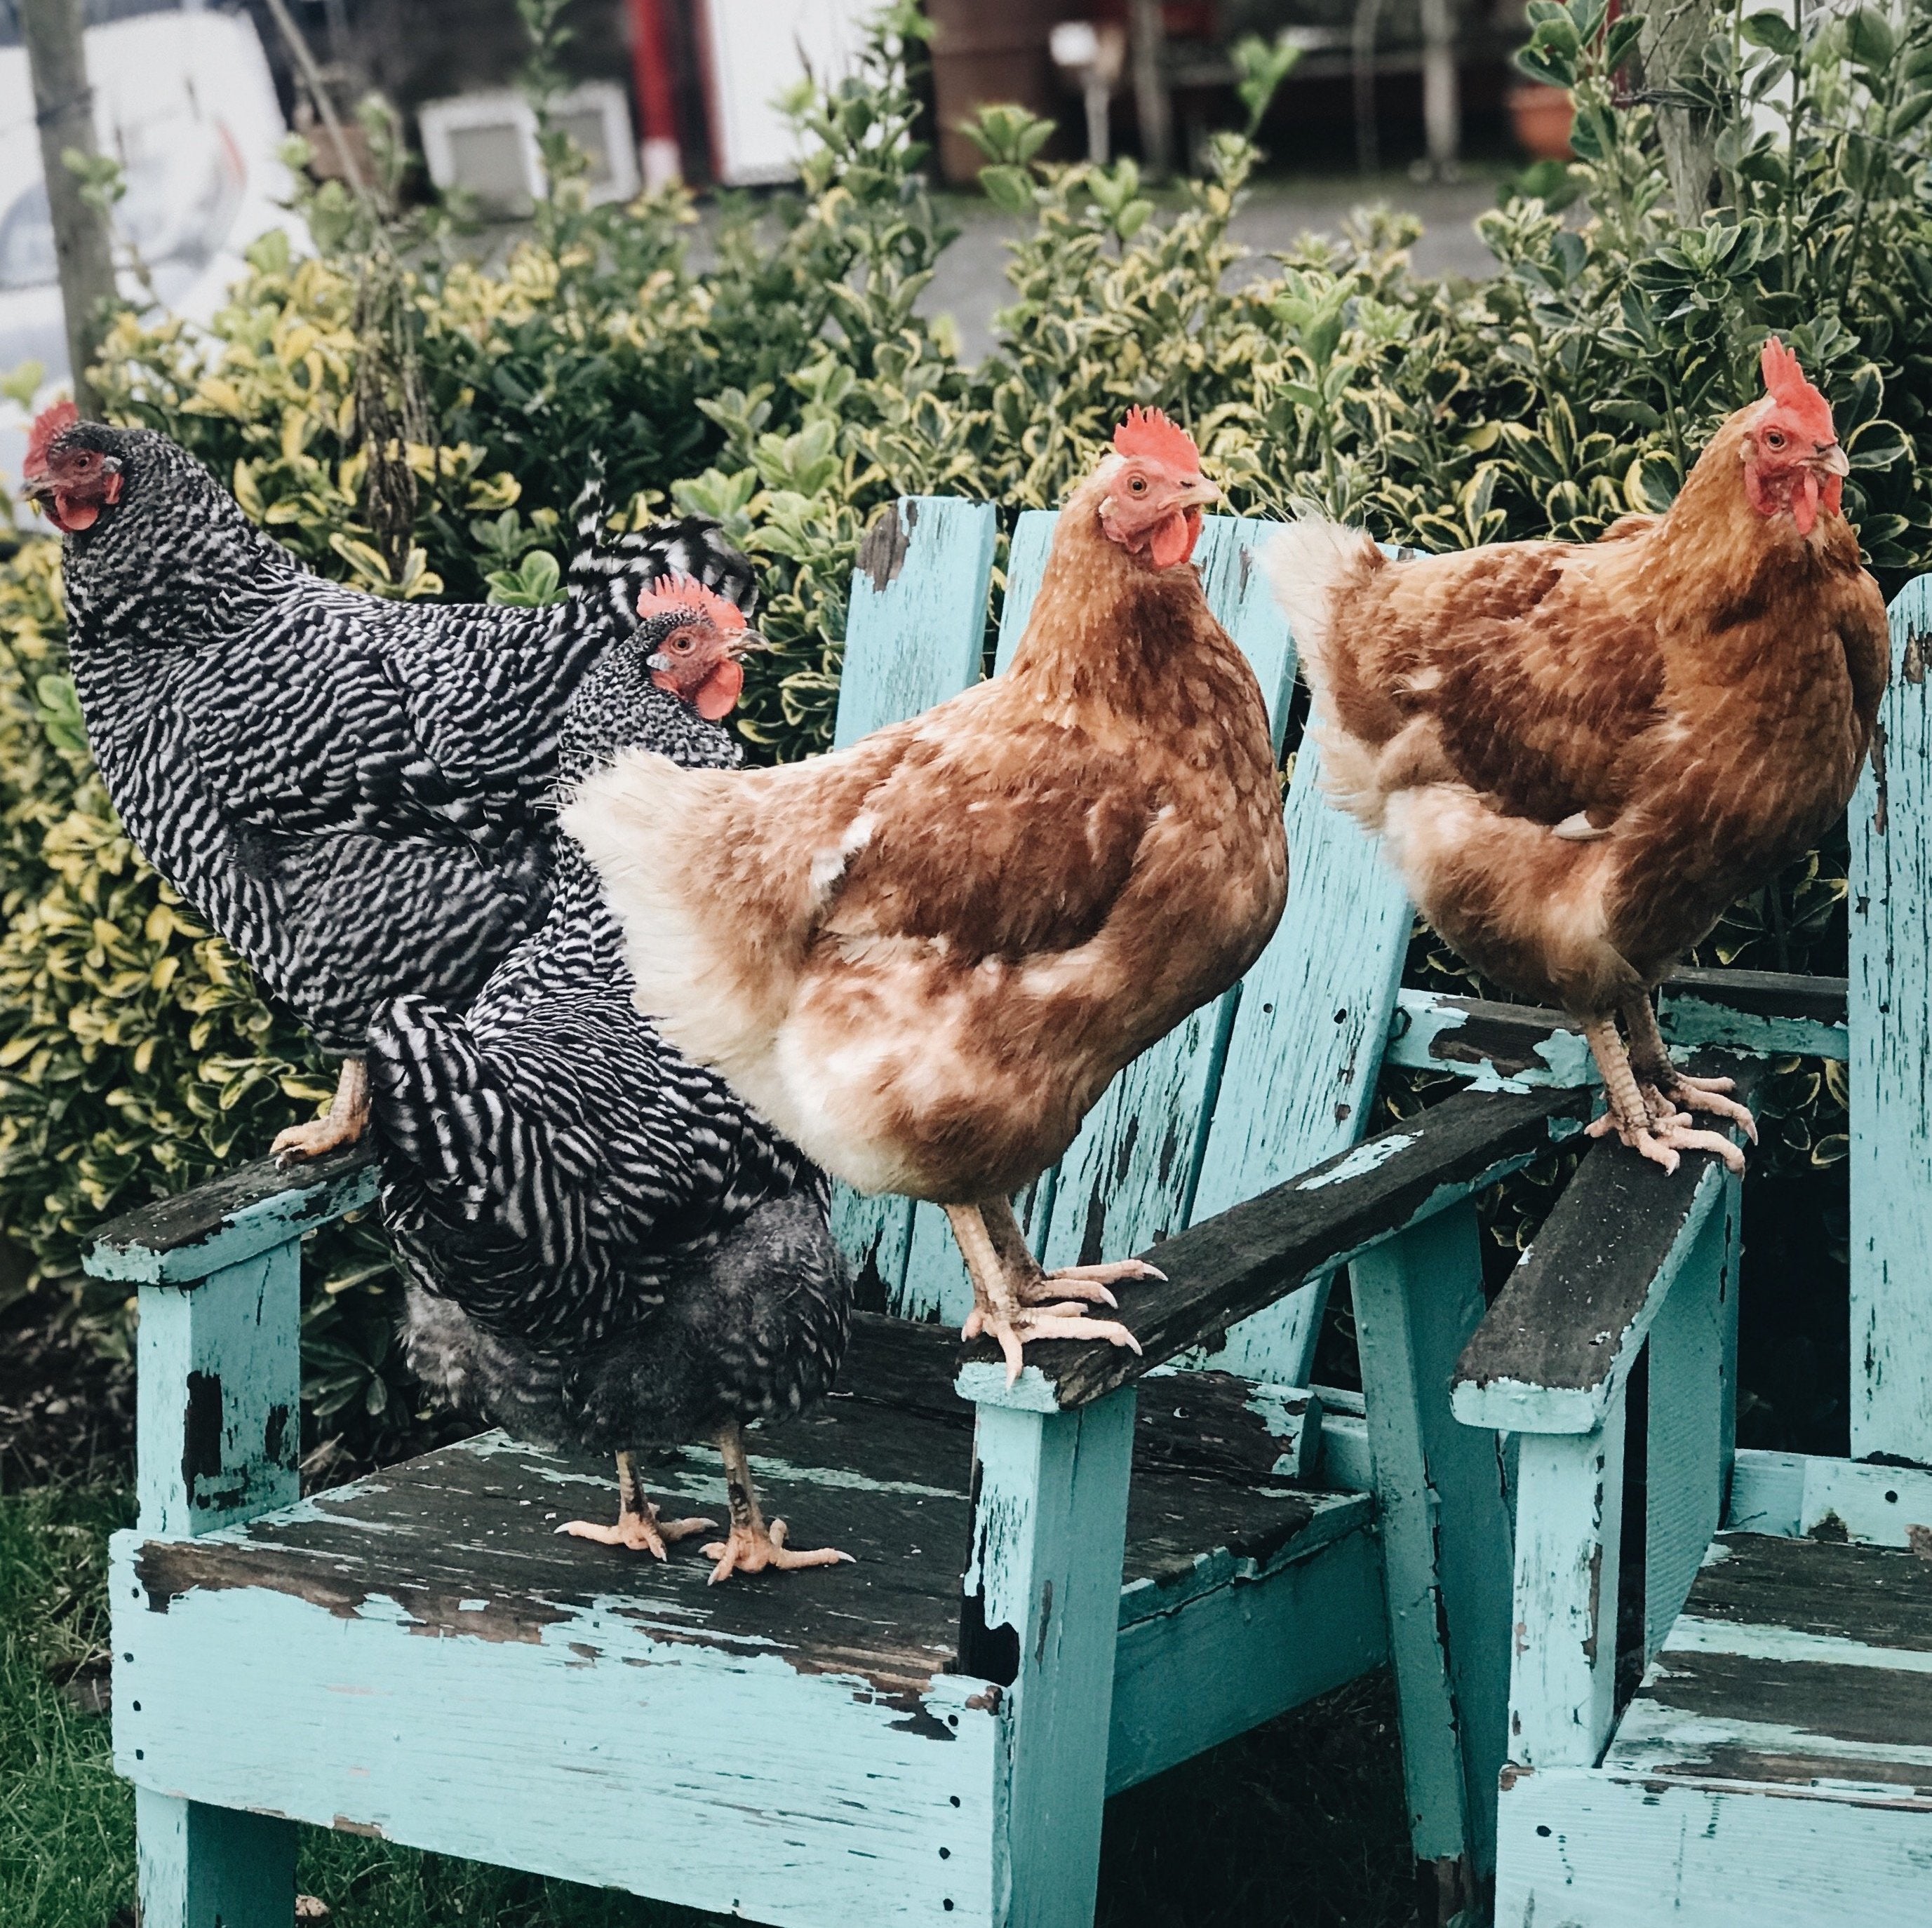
180, 1241
1227, 1266
1558, 1346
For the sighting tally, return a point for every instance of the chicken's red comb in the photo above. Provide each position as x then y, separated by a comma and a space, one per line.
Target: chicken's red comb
1148, 433
1786, 383
47, 424
675, 592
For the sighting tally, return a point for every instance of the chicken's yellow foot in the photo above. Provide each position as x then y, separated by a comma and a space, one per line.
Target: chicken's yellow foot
1675, 1090
1659, 1138
639, 1525
1015, 1301
753, 1546
348, 1119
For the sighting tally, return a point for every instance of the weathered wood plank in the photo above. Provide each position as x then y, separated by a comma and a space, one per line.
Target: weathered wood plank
211, 1867
1569, 1529
1590, 1850
1251, 1647
1496, 1045
793, 1797
1689, 1409
1776, 1013
252, 1210
1042, 1616
1890, 1051
915, 634
1565, 1332
218, 1393
1445, 1517
1825, 1590
1298, 1078
1223, 1268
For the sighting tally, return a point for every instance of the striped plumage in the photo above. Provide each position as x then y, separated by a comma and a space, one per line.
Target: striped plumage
605, 1246
353, 791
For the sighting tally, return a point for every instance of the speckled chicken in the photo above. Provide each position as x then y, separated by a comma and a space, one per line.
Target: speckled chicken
353, 792
604, 1247
1580, 754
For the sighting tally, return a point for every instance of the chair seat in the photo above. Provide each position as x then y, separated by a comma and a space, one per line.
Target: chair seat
1796, 1663
431, 1612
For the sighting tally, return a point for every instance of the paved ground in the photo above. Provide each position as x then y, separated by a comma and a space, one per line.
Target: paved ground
970, 284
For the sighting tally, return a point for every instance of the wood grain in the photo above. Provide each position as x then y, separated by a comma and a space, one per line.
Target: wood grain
1223, 1268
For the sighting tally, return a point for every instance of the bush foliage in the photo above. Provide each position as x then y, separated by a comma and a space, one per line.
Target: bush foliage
791, 387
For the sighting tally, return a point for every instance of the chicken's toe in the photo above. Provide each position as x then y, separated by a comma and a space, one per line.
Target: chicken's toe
1707, 1095
751, 1551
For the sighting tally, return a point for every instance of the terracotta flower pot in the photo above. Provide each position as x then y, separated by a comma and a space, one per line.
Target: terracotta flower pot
1543, 117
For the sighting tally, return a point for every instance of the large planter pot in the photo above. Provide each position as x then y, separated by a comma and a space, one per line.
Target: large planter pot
1543, 117
986, 52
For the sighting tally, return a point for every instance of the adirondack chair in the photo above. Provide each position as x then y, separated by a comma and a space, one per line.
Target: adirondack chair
1774, 1769
1062, 1588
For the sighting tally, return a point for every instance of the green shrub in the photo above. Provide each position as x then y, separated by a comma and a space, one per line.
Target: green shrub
791, 389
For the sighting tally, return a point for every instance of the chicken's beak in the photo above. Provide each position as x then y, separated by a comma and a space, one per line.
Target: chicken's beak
1832, 460
37, 488
1201, 493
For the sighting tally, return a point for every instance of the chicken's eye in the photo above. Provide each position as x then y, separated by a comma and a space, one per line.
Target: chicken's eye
681, 644
1138, 485
1773, 439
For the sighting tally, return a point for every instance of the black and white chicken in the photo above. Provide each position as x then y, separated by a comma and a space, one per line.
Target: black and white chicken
604, 1247
355, 792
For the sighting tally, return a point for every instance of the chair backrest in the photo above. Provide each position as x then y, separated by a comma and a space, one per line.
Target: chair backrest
1276, 1076
1890, 1062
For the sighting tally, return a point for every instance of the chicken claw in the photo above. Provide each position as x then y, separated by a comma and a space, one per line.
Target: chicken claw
752, 1545
639, 1526
1014, 1329
1665, 1138
348, 1119
748, 1551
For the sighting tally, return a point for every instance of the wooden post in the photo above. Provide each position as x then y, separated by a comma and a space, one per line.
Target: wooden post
1042, 1609
219, 1426
63, 107
1891, 1025
1569, 1532
1443, 1514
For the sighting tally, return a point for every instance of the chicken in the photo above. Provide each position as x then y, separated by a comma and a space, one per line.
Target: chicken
923, 957
603, 1247
1579, 755
353, 792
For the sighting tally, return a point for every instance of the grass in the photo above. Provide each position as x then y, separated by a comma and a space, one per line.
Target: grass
1299, 1824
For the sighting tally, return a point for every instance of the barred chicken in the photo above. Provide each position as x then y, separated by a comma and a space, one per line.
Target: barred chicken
355, 792
1579, 755
604, 1247
923, 957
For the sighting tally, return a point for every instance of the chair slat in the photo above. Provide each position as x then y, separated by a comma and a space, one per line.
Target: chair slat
1891, 1026
915, 635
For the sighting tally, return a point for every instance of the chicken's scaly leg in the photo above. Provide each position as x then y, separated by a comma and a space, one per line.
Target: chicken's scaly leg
1650, 1060
348, 1119
638, 1526
753, 1546
1014, 1300
1659, 1140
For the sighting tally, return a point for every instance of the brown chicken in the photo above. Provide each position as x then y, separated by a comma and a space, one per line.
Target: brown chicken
924, 958
1579, 755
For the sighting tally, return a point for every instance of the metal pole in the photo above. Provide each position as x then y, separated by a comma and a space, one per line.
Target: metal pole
1151, 103
63, 111
1441, 106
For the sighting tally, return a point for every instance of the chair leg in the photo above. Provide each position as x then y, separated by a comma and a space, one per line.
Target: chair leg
1445, 1517
212, 1867
1042, 1609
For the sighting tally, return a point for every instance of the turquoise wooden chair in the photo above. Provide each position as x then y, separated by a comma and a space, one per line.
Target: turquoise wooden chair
1062, 1587
1773, 1768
